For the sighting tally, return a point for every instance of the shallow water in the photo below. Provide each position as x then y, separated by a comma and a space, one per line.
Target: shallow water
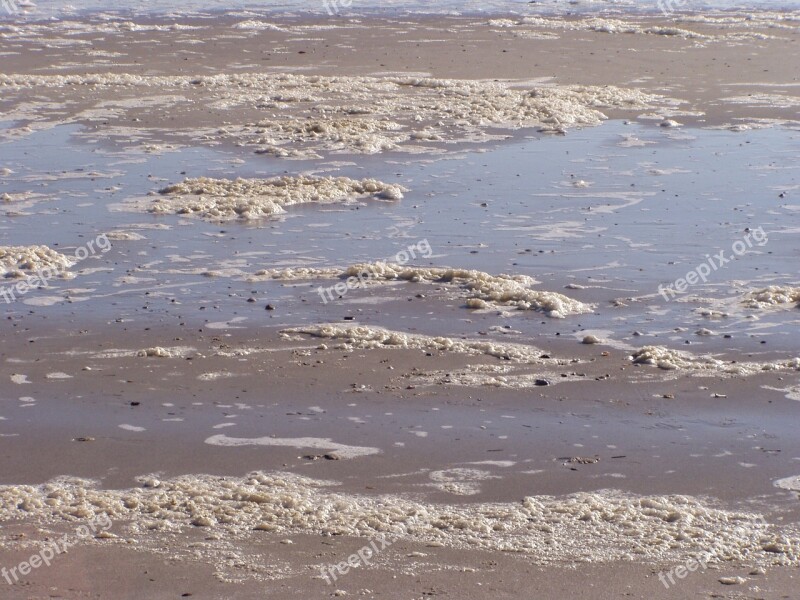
48, 8
601, 215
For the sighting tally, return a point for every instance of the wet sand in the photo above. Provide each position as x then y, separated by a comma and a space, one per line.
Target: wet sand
91, 572
700, 64
729, 449
510, 462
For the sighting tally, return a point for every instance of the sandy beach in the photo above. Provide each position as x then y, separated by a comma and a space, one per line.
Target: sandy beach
402, 306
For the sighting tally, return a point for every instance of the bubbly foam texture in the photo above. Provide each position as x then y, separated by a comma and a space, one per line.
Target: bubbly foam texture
314, 114
161, 352
498, 376
673, 360
225, 199
487, 291
789, 483
125, 236
365, 337
23, 261
364, 135
459, 480
299, 273
582, 527
617, 26
772, 296
255, 25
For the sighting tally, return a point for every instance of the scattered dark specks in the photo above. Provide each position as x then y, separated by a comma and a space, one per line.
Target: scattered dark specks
580, 460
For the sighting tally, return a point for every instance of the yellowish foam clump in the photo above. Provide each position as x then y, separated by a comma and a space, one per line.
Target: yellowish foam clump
789, 483
312, 114
488, 290
124, 236
673, 360
225, 199
362, 336
549, 108
772, 296
619, 26
604, 25
367, 136
497, 376
299, 273
23, 261
161, 352
583, 527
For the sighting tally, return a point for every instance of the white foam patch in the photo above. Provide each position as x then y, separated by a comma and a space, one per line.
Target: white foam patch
310, 114
43, 300
366, 337
19, 378
127, 427
57, 375
772, 296
23, 261
619, 26
250, 199
602, 336
493, 463
485, 290
789, 483
155, 352
125, 236
460, 481
252, 24
599, 527
766, 100
341, 450
792, 393
214, 375
674, 360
